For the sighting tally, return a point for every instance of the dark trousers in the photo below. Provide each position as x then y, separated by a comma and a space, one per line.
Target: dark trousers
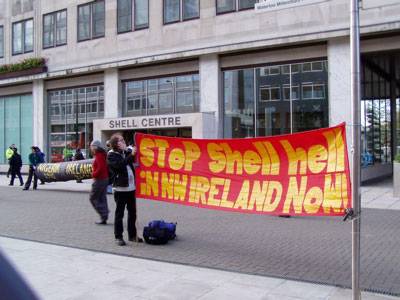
29, 180
15, 173
9, 171
122, 200
98, 197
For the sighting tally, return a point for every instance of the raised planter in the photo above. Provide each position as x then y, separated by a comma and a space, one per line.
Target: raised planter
396, 179
27, 72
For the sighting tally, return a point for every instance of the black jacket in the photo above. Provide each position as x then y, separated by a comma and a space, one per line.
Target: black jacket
15, 162
117, 163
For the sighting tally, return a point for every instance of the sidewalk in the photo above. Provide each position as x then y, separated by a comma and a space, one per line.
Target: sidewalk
377, 195
57, 272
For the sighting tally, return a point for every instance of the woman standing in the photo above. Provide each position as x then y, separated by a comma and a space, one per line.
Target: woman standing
120, 163
15, 165
98, 193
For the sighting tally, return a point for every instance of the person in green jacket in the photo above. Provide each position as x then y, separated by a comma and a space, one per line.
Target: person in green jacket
34, 160
9, 154
67, 153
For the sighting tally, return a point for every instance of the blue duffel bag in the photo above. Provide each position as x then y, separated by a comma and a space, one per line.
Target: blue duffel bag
159, 232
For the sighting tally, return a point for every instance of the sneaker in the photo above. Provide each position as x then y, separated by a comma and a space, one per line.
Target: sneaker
120, 242
102, 222
136, 240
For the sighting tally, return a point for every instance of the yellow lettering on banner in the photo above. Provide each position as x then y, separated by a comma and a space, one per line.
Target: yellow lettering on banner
146, 152
295, 157
295, 195
151, 184
214, 191
271, 202
180, 187
269, 158
251, 162
199, 189
317, 156
218, 162
176, 159
224, 199
313, 200
333, 193
167, 185
243, 198
162, 146
192, 153
232, 158
336, 150
258, 195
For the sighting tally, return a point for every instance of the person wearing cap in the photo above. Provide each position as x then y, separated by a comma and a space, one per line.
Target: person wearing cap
33, 162
98, 193
9, 154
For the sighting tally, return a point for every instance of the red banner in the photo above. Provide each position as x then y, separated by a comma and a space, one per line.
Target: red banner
301, 174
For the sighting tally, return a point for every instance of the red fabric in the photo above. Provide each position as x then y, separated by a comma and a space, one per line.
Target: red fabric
100, 169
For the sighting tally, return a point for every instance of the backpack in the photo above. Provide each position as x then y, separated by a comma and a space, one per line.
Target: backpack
159, 232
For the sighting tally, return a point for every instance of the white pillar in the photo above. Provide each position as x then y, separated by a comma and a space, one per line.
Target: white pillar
339, 83
39, 115
112, 94
211, 94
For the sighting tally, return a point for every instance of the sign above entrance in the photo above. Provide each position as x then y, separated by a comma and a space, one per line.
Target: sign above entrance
145, 122
272, 5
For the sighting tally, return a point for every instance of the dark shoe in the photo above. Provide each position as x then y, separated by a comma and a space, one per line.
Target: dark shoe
35, 188
10, 184
21, 184
41, 183
120, 242
102, 222
136, 240
25, 189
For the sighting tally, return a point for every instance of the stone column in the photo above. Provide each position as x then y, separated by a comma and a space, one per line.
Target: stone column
211, 94
40, 130
112, 94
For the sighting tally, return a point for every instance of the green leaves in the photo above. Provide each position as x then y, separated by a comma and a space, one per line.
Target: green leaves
25, 64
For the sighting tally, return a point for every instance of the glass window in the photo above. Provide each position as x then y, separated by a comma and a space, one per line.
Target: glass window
124, 15
84, 22
28, 39
1, 41
141, 14
191, 9
244, 4
17, 38
164, 95
98, 19
283, 103
224, 6
16, 125
48, 31
61, 28
172, 11
71, 115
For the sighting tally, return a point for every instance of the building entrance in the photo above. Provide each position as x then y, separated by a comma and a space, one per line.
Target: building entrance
380, 109
185, 132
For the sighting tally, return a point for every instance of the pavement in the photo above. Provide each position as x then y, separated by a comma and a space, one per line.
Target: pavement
59, 273
294, 253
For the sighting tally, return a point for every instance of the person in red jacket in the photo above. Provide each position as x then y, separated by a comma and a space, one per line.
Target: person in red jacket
98, 194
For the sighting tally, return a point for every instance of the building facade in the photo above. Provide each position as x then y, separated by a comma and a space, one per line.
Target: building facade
200, 69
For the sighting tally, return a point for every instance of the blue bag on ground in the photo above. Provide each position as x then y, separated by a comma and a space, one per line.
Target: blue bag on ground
159, 232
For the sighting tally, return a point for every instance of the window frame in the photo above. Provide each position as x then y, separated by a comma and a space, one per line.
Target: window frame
236, 9
54, 13
181, 19
23, 36
91, 37
133, 25
2, 42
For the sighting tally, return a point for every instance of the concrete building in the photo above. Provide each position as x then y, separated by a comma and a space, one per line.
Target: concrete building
201, 69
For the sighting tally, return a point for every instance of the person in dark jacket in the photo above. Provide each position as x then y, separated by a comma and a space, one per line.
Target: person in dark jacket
78, 156
33, 162
40, 156
9, 153
98, 193
16, 164
120, 163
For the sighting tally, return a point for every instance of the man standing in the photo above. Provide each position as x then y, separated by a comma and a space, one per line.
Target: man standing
33, 162
120, 163
9, 154
98, 193
15, 165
